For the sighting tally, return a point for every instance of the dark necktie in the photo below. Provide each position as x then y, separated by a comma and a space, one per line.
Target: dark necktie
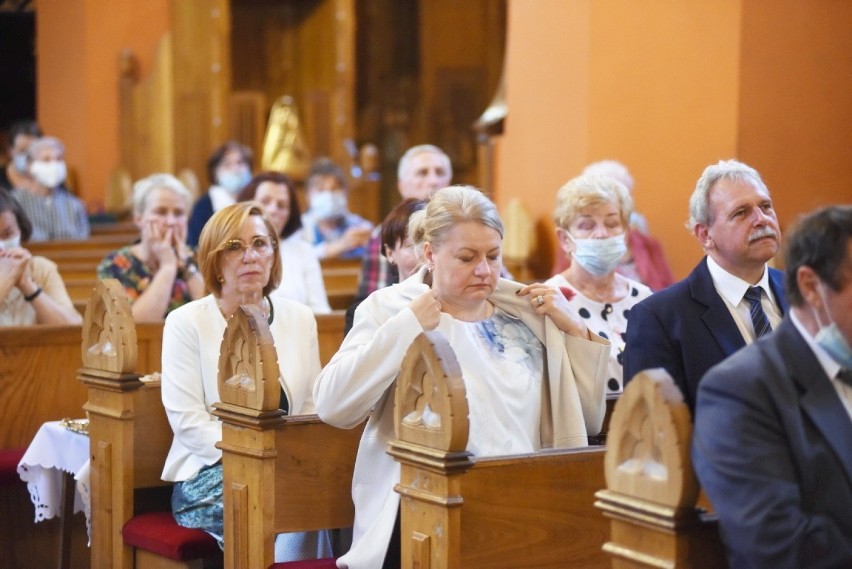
758, 316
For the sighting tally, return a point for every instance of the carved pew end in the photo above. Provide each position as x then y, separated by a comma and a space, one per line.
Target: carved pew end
652, 489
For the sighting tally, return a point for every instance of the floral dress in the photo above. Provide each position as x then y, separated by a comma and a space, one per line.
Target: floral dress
503, 367
134, 276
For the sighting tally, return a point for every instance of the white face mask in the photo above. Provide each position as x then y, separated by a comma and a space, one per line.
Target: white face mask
234, 181
599, 256
831, 339
328, 203
49, 174
11, 242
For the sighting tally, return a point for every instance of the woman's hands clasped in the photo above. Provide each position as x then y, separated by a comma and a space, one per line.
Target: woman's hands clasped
550, 302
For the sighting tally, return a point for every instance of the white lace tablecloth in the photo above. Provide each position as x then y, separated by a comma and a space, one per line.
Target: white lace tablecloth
53, 451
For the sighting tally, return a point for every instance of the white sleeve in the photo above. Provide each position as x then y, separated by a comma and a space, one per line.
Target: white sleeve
365, 366
183, 389
314, 284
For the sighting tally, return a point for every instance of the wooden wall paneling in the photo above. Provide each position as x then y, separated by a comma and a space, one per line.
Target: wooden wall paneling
202, 78
247, 112
146, 113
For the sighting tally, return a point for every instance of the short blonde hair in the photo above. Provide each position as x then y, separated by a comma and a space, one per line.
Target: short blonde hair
447, 208
587, 190
224, 226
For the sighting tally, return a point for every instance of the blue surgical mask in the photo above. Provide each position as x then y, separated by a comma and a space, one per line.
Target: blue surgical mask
831, 339
11, 242
19, 161
599, 256
233, 182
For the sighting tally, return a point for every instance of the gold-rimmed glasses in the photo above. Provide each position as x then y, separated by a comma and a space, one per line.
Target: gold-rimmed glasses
262, 246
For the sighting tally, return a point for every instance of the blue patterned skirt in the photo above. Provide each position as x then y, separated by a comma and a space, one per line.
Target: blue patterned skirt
197, 502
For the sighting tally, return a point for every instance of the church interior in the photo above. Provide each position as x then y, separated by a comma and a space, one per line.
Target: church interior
520, 94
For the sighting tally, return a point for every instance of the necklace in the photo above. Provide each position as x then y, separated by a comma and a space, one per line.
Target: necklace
265, 308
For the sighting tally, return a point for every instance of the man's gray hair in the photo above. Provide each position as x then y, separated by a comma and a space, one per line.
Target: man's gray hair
45, 142
421, 149
699, 202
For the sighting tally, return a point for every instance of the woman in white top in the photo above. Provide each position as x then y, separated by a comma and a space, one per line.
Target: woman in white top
509, 339
31, 290
592, 216
240, 266
301, 278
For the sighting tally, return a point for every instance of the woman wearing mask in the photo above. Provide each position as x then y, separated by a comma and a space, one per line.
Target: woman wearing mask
52, 210
158, 272
591, 216
229, 170
31, 290
302, 275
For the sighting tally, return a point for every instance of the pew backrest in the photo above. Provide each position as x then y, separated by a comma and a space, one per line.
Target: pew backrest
459, 510
280, 474
652, 492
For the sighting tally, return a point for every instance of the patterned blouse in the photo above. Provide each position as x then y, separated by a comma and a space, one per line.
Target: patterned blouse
134, 276
607, 320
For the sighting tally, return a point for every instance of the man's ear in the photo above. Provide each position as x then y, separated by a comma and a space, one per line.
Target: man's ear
702, 233
808, 282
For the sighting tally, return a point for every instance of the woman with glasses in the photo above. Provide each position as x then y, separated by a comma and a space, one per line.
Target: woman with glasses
158, 272
240, 266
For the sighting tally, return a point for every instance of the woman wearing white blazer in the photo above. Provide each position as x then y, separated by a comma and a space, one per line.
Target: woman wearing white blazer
514, 343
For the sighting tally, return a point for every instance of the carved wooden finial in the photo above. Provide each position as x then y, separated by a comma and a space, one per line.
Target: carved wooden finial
431, 406
248, 362
109, 333
648, 451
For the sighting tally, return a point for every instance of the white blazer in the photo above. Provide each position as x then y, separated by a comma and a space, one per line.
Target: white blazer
359, 382
192, 338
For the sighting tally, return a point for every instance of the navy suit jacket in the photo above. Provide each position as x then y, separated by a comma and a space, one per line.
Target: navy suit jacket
772, 447
686, 329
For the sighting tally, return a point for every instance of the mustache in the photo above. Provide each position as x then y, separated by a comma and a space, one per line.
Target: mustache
761, 233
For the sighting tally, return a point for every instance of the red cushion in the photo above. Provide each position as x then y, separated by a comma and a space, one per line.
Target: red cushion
159, 533
327, 563
9, 459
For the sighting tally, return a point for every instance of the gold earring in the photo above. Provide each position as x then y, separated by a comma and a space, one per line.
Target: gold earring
220, 279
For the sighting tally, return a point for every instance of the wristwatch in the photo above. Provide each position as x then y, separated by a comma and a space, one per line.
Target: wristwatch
189, 268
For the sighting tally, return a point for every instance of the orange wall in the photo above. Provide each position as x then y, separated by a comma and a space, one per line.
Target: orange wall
78, 44
669, 87
796, 101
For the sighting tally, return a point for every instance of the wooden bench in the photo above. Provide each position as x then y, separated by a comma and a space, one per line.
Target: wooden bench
652, 493
459, 510
38, 370
78, 262
281, 474
130, 438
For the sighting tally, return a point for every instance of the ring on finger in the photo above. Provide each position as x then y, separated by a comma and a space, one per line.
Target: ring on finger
539, 300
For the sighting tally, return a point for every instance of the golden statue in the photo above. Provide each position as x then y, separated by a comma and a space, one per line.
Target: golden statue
284, 146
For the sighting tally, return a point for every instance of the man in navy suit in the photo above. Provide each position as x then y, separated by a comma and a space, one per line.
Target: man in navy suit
696, 323
772, 444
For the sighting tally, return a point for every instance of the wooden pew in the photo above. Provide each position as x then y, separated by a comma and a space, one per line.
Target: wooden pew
459, 510
281, 474
130, 435
78, 261
651, 491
